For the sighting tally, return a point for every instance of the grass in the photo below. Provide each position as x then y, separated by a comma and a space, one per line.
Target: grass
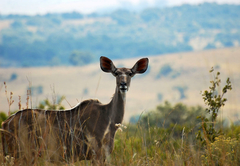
145, 144
155, 146
152, 149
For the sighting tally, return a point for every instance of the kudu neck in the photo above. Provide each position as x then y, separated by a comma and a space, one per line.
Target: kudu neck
118, 106
119, 97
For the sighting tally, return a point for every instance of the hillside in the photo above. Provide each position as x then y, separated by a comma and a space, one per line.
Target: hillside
64, 39
174, 77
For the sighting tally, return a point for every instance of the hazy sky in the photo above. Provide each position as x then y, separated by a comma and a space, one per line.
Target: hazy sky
88, 6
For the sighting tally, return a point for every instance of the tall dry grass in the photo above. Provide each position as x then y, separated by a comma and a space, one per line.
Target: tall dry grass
154, 145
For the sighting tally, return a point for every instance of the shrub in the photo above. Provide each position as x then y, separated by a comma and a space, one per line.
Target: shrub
223, 150
47, 105
3, 117
214, 101
167, 114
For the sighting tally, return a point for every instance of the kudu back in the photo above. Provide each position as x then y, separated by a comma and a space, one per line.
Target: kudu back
85, 132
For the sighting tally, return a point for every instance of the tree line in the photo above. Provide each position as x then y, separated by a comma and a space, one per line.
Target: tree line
57, 39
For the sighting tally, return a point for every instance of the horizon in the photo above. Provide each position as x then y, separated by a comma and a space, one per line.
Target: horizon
43, 7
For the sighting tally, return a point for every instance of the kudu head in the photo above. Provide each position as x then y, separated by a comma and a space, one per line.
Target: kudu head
123, 75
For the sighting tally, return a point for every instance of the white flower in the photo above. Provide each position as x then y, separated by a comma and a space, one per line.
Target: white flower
120, 126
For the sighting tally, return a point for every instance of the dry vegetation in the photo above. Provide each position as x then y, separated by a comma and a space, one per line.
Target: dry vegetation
146, 144
143, 143
189, 74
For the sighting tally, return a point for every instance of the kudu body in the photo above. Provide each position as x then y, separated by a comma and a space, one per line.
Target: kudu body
82, 133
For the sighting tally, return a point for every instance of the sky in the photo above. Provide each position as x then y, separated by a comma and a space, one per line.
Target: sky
33, 7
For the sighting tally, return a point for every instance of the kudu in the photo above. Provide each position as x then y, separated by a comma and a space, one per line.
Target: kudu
85, 132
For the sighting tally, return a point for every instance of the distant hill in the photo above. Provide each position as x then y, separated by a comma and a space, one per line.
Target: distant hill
57, 39
173, 77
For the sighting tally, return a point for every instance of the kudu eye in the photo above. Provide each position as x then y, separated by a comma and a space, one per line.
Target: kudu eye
130, 74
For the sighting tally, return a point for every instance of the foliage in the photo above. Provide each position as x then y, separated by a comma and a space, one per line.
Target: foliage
47, 105
173, 119
168, 114
215, 101
123, 17
223, 150
73, 15
165, 136
232, 131
80, 58
138, 145
41, 39
3, 117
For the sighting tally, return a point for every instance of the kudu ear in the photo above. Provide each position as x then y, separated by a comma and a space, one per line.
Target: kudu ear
141, 66
107, 65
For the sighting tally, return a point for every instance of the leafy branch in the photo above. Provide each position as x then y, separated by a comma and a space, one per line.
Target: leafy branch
215, 101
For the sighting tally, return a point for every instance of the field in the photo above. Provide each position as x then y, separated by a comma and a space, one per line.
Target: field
177, 78
174, 78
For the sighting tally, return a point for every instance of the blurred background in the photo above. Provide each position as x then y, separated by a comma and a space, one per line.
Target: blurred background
52, 48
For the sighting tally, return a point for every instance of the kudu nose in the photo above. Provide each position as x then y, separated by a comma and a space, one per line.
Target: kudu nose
123, 84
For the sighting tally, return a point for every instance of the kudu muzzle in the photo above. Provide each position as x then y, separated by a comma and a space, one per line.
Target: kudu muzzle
123, 83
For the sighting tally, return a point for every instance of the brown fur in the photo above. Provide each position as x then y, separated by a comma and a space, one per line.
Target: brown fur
82, 133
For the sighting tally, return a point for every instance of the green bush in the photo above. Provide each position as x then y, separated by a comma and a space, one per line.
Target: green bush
3, 117
47, 105
214, 101
166, 114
